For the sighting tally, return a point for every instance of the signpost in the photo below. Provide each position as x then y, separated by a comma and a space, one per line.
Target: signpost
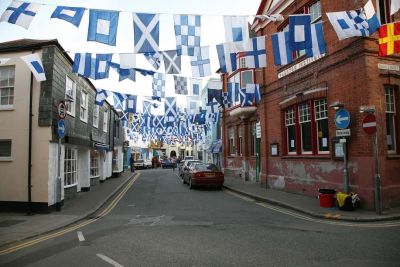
369, 124
61, 134
342, 121
62, 112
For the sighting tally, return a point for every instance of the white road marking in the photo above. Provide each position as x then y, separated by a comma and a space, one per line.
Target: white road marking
109, 260
80, 236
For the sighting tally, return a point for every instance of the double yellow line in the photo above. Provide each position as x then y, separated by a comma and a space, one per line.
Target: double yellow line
74, 227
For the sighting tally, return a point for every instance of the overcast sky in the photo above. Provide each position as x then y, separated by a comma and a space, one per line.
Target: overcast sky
74, 39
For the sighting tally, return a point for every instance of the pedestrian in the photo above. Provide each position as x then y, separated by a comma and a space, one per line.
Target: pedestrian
131, 162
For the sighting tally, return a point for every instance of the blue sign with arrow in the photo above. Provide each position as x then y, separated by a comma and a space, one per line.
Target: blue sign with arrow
342, 119
61, 128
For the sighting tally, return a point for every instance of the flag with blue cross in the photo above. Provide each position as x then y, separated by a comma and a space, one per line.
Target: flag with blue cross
200, 63
20, 13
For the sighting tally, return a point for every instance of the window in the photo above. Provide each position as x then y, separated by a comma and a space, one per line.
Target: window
242, 63
290, 130
240, 140
306, 126
105, 121
390, 119
232, 149
253, 136
70, 167
7, 78
96, 112
94, 163
70, 93
246, 77
321, 121
383, 9
235, 79
315, 11
5, 149
83, 114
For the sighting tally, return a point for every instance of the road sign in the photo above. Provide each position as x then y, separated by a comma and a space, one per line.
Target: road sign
343, 132
61, 128
342, 119
61, 110
369, 124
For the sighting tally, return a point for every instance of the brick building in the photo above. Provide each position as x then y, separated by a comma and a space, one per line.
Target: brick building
299, 150
91, 150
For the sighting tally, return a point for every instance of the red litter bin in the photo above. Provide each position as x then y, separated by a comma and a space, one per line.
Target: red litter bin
326, 198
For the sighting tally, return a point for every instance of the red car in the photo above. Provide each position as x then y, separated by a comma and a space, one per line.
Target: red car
204, 174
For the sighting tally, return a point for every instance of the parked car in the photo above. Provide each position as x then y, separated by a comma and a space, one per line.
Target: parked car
138, 164
148, 164
168, 163
204, 174
186, 165
189, 158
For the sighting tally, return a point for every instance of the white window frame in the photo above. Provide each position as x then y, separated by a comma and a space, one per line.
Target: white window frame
96, 113
94, 163
9, 157
235, 79
70, 94
83, 112
232, 147
8, 87
390, 107
105, 121
316, 4
70, 175
290, 115
321, 113
242, 84
304, 117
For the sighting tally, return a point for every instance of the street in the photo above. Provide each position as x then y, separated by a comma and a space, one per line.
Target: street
159, 221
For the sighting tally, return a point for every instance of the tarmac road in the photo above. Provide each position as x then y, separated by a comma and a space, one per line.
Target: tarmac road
158, 221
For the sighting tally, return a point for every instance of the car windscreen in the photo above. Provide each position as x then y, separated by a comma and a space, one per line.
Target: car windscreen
206, 167
188, 163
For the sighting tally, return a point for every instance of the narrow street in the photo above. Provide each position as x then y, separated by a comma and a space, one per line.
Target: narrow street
161, 222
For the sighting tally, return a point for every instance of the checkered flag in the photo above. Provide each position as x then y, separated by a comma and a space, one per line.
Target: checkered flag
225, 100
187, 33
159, 85
154, 58
181, 87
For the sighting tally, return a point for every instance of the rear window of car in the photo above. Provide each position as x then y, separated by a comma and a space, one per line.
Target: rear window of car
139, 160
191, 162
206, 167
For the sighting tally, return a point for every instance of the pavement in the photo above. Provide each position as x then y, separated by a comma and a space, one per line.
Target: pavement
16, 227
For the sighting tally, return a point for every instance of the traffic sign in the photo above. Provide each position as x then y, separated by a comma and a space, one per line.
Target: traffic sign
342, 119
61, 128
343, 132
61, 110
369, 124
258, 130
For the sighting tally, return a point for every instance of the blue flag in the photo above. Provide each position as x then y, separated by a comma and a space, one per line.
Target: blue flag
300, 32
103, 26
72, 15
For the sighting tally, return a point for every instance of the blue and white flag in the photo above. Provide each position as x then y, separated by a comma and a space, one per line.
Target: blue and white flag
233, 93
172, 62
354, 22
255, 53
193, 106
280, 46
147, 31
20, 13
181, 87
195, 87
246, 99
101, 66
119, 100
200, 63
127, 60
35, 65
72, 15
124, 73
103, 26
154, 58
170, 109
187, 33
300, 32
82, 64
101, 96
131, 102
236, 28
253, 92
225, 100
212, 107
318, 41
226, 57
146, 108
214, 91
158, 85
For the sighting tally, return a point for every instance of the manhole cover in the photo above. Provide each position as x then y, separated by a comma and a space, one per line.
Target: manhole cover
8, 223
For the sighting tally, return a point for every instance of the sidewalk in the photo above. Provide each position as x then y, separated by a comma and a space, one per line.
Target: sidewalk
18, 226
305, 204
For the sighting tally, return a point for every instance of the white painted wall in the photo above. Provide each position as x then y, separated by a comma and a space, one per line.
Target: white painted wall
83, 167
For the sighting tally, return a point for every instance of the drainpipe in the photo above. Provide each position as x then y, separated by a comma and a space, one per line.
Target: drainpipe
30, 146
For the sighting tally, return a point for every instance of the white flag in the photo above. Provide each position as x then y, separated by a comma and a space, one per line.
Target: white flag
35, 65
127, 61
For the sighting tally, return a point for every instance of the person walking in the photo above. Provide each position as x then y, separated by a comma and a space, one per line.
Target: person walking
131, 162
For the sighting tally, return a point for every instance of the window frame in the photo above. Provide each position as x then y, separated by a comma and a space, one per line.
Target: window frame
304, 117
96, 116
94, 163
70, 105
391, 109
240, 141
73, 172
8, 157
317, 119
83, 110
10, 69
231, 134
383, 8
105, 121
290, 121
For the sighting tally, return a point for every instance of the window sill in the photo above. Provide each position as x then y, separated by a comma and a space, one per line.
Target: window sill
93, 177
393, 156
9, 108
6, 159
326, 156
71, 114
69, 186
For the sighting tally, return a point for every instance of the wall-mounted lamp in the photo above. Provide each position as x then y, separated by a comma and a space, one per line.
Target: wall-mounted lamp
367, 109
336, 105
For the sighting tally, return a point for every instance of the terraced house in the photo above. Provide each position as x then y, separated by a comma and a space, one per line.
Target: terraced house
300, 150
31, 158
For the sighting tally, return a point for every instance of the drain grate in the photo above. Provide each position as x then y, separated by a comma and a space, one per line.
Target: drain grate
8, 223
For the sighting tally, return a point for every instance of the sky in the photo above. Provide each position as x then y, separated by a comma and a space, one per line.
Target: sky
74, 39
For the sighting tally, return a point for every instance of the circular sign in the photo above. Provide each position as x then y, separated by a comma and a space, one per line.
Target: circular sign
369, 124
61, 128
342, 119
62, 112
